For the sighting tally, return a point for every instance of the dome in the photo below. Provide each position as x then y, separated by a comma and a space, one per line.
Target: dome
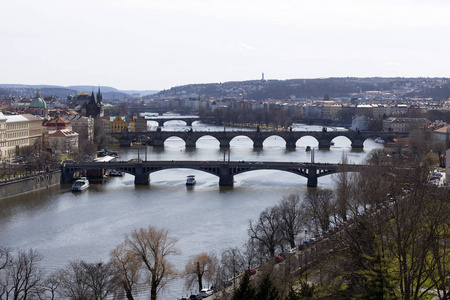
38, 102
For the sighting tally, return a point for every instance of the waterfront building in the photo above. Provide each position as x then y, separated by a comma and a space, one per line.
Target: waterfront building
360, 123
442, 134
14, 132
118, 124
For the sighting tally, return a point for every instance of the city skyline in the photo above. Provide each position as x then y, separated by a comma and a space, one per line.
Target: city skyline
156, 45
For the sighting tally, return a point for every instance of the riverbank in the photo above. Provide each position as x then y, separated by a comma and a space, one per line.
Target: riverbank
26, 184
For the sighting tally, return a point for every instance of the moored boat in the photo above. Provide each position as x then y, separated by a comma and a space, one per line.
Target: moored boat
190, 180
379, 140
115, 173
80, 184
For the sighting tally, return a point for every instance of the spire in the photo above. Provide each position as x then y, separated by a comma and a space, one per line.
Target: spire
99, 96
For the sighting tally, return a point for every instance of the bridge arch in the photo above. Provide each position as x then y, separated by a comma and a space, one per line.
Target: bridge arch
202, 139
307, 140
244, 141
174, 141
342, 141
274, 141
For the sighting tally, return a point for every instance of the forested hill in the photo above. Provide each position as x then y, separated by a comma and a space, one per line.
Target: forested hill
311, 88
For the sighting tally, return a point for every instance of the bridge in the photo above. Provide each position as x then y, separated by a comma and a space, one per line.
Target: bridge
190, 137
224, 170
162, 119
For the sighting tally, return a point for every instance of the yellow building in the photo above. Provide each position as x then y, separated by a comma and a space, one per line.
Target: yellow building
118, 124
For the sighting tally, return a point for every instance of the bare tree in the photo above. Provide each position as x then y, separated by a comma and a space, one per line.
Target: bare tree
153, 246
199, 267
343, 188
319, 207
232, 263
266, 230
82, 280
291, 218
127, 269
21, 276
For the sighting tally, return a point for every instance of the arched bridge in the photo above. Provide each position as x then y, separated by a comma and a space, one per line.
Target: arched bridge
162, 119
224, 170
157, 138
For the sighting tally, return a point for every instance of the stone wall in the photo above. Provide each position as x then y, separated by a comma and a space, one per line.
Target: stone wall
29, 183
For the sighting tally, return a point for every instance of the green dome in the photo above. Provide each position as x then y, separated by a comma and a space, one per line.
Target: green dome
38, 102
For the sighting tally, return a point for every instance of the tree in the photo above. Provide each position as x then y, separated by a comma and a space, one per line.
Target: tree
153, 246
291, 215
246, 290
201, 266
86, 281
126, 269
266, 290
319, 207
266, 230
343, 188
232, 263
21, 277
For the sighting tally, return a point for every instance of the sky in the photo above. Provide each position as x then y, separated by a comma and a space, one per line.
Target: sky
159, 44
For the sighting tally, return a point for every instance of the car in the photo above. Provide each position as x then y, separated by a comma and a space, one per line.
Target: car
195, 297
251, 271
205, 293
279, 259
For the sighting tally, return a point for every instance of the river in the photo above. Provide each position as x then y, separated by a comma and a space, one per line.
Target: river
64, 226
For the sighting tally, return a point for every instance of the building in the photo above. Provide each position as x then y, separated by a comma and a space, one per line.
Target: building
59, 135
404, 124
34, 129
360, 123
118, 124
442, 134
94, 106
14, 131
138, 124
38, 106
84, 126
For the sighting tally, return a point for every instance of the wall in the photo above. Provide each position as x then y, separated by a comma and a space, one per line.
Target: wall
29, 183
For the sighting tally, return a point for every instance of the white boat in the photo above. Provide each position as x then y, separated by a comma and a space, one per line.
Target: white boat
80, 184
379, 141
190, 180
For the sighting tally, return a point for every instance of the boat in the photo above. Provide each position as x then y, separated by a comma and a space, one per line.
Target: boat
80, 184
308, 148
116, 173
379, 141
190, 180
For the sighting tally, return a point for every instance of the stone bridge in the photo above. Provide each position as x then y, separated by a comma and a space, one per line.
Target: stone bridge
224, 170
190, 137
162, 119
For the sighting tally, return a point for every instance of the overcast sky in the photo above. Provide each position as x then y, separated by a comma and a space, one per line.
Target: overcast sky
158, 44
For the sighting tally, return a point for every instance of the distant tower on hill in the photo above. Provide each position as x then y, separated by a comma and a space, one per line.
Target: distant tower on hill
262, 78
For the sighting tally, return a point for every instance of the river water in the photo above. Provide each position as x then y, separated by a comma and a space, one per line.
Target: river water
64, 226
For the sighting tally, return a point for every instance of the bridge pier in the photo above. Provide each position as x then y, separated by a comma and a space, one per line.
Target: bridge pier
226, 178
258, 144
157, 142
358, 144
66, 176
324, 144
290, 143
312, 177
139, 177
